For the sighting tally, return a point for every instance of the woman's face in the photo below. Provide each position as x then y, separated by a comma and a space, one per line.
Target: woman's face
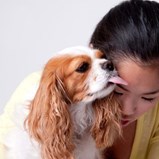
142, 91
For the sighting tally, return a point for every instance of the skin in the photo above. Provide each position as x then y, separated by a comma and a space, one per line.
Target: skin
139, 96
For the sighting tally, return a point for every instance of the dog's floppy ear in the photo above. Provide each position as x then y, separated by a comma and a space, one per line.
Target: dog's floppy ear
106, 127
49, 120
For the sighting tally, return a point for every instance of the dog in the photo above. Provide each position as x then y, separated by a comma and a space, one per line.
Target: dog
72, 113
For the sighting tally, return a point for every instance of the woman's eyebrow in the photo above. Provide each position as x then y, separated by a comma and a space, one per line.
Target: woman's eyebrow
153, 92
148, 93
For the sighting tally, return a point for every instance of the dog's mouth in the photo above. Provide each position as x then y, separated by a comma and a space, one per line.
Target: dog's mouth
116, 80
111, 83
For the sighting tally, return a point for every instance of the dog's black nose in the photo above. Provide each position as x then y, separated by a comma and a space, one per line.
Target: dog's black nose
107, 66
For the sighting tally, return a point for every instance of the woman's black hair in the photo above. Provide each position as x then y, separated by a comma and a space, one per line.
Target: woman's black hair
131, 29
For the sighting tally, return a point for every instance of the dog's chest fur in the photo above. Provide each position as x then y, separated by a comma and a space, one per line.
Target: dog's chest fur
83, 118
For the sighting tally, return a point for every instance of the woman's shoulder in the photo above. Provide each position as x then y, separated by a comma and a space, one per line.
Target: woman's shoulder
147, 131
29, 83
154, 114
151, 118
31, 78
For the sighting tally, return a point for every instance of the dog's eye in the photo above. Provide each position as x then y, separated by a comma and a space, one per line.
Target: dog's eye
83, 67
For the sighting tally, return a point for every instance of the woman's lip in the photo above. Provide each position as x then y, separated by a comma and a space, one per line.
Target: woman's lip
124, 122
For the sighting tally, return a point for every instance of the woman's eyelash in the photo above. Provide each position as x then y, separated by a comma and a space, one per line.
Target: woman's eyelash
118, 93
148, 99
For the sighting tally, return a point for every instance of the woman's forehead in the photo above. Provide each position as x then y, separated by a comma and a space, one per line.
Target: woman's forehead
142, 79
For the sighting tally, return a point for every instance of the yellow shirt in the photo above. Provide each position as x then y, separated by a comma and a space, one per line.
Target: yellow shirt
146, 142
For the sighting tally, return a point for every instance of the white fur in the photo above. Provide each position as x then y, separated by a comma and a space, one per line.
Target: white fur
20, 146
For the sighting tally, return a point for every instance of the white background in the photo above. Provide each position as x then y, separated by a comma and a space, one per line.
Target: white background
31, 31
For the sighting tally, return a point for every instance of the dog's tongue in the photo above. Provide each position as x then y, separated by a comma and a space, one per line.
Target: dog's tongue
117, 80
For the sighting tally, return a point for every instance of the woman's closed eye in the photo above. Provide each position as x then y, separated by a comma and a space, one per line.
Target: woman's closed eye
118, 93
148, 99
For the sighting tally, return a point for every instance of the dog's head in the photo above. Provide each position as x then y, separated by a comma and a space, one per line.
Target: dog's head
77, 74
81, 74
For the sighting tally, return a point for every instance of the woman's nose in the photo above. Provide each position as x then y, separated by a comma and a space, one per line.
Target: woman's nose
128, 107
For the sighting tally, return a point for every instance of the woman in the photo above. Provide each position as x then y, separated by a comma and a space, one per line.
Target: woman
129, 36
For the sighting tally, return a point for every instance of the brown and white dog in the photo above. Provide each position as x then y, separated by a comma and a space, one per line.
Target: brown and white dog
72, 113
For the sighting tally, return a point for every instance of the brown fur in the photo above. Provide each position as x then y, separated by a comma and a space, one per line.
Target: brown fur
49, 121
106, 127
